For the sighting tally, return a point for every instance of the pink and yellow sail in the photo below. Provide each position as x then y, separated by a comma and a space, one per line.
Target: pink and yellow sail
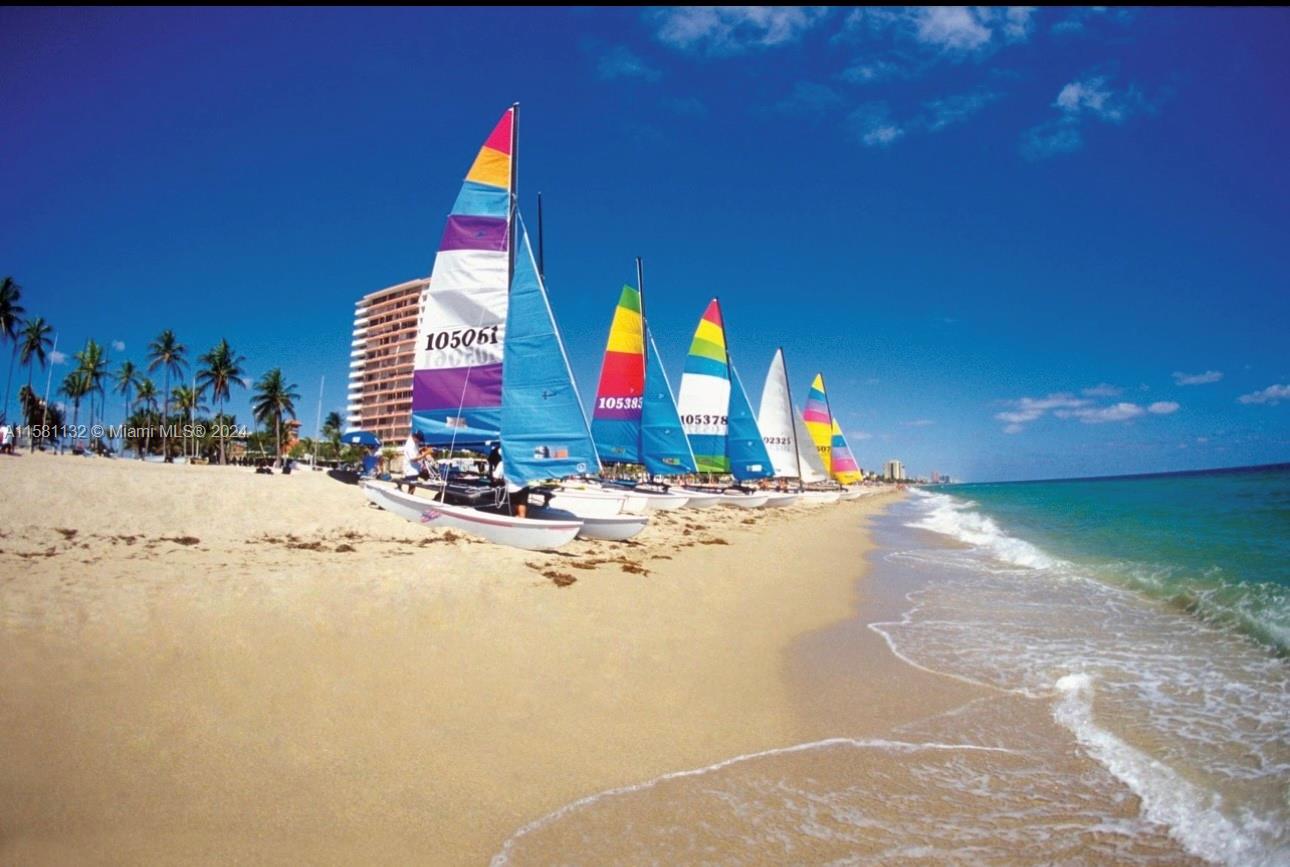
827, 435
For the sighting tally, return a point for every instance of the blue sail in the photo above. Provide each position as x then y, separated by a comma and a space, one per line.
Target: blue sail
544, 433
744, 446
664, 445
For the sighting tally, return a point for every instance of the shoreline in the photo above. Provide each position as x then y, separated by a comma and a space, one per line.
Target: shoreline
200, 660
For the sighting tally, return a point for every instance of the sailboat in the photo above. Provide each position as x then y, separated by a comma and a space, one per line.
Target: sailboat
490, 367
634, 419
829, 441
788, 443
716, 415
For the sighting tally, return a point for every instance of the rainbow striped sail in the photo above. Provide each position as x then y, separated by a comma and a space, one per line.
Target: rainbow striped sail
704, 400
845, 468
457, 368
819, 421
616, 416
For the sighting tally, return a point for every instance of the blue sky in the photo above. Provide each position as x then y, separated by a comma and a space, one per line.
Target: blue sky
1019, 243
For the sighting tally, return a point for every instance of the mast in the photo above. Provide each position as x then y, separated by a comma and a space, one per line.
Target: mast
640, 294
541, 262
514, 197
828, 406
792, 421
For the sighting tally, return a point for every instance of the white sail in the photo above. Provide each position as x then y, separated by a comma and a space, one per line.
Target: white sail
783, 431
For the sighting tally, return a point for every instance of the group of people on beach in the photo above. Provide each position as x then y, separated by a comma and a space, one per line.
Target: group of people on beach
418, 462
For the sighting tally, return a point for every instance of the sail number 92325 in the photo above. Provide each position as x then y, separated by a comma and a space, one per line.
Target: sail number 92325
461, 338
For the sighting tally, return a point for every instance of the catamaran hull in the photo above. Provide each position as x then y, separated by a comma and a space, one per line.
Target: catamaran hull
588, 504
613, 528
852, 493
821, 497
744, 501
529, 533
775, 501
700, 499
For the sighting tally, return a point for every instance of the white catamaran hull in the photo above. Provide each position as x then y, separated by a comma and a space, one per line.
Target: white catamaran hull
745, 501
776, 500
589, 504
529, 533
821, 497
699, 499
612, 528
852, 493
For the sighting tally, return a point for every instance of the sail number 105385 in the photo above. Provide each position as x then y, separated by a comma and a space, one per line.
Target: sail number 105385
460, 338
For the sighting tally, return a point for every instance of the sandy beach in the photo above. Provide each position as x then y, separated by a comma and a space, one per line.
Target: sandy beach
205, 665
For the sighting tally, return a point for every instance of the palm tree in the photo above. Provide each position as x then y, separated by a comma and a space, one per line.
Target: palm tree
188, 400
126, 378
93, 361
274, 398
332, 428
167, 353
145, 395
10, 312
222, 368
75, 386
34, 350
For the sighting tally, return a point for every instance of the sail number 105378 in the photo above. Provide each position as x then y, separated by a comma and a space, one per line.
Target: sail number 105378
460, 338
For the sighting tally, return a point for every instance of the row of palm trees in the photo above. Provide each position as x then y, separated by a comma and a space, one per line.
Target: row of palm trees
218, 371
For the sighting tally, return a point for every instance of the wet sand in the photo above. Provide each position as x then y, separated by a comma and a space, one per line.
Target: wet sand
202, 665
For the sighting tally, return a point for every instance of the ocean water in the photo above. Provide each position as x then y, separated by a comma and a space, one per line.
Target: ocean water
1128, 638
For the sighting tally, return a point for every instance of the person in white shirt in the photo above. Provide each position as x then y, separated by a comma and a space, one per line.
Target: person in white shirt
5, 434
517, 494
414, 452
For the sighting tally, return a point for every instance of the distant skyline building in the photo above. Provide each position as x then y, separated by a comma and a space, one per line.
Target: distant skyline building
380, 360
894, 471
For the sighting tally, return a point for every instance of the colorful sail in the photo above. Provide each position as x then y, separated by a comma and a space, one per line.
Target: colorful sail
744, 446
704, 400
665, 449
457, 368
544, 433
819, 422
845, 468
787, 442
616, 416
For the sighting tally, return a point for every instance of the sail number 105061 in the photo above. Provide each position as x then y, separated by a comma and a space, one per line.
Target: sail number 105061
461, 338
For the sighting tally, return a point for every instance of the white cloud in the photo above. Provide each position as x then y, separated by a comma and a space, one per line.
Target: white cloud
57, 357
955, 109
872, 126
118, 345
920, 422
723, 31
1163, 407
808, 97
1051, 139
1092, 96
1205, 378
620, 62
950, 28
1027, 409
1017, 23
1103, 414
1102, 389
1273, 395
871, 71
860, 435
955, 31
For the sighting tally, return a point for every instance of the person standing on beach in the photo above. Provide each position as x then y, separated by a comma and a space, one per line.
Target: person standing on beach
5, 435
517, 495
413, 453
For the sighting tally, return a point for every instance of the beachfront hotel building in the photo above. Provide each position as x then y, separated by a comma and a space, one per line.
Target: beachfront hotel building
380, 360
894, 471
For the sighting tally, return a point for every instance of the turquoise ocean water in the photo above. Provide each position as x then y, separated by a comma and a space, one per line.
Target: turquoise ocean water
1214, 544
1130, 641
